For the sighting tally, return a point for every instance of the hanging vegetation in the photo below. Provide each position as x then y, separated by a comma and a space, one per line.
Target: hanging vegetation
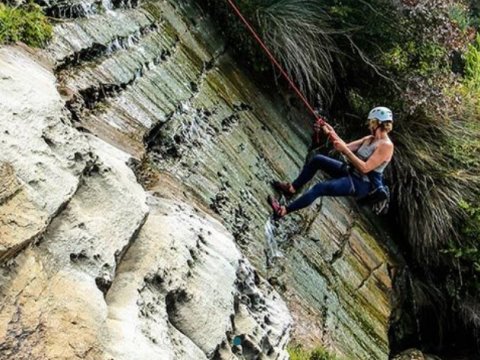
25, 23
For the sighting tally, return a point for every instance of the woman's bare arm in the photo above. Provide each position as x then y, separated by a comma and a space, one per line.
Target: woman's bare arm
382, 153
355, 145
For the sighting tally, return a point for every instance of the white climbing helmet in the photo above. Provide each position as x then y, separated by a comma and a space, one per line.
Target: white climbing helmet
381, 113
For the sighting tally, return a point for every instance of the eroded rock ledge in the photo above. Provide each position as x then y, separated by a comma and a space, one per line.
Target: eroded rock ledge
113, 272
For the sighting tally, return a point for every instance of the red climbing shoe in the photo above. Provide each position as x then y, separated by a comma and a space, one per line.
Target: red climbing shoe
284, 188
279, 210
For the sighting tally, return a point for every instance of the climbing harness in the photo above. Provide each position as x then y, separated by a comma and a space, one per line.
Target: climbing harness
320, 120
378, 200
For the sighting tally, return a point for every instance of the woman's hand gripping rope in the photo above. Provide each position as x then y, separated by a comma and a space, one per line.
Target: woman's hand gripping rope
321, 125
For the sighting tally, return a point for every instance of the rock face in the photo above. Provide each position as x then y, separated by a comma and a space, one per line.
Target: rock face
188, 294
108, 274
42, 166
414, 354
95, 265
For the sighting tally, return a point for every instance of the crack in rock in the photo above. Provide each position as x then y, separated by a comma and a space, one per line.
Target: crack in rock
371, 273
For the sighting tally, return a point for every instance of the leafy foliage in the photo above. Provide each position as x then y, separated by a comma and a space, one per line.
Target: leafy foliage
319, 353
26, 23
472, 65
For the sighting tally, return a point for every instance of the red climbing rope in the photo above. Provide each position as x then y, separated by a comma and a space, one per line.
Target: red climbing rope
319, 119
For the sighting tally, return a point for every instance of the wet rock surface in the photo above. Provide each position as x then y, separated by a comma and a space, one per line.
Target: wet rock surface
147, 93
114, 272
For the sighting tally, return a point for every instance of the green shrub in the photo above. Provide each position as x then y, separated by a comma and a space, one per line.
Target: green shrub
299, 353
472, 65
26, 23
459, 14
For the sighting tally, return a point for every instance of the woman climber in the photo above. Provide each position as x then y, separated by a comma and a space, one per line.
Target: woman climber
367, 156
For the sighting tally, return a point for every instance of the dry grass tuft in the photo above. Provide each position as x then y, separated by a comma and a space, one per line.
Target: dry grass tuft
297, 32
434, 170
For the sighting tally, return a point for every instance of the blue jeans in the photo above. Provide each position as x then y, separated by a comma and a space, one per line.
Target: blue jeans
342, 183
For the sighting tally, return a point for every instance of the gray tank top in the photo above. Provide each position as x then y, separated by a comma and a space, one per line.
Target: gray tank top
366, 150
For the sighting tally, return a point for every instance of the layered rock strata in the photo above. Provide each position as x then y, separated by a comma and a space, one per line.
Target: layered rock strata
152, 85
111, 271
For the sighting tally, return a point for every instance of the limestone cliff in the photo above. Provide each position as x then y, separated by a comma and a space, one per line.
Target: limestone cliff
135, 164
